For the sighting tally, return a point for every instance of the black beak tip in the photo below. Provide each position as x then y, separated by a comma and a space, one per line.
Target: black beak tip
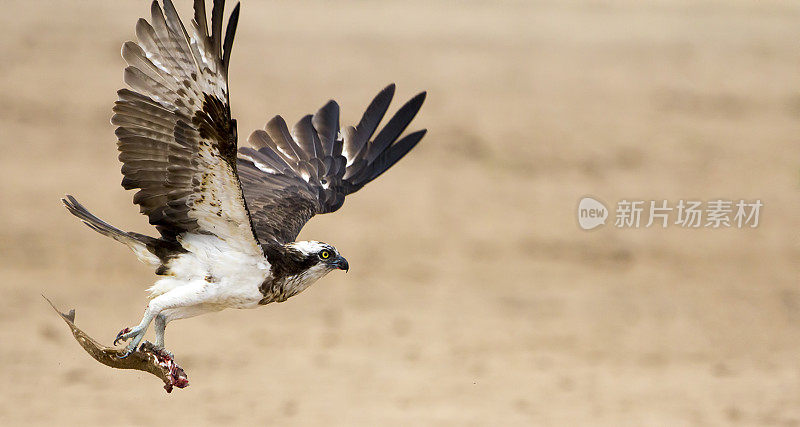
342, 264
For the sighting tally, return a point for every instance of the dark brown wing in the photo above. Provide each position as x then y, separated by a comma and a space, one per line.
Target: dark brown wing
177, 140
288, 177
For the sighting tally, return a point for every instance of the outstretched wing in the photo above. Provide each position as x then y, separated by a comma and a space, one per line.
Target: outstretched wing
288, 177
177, 140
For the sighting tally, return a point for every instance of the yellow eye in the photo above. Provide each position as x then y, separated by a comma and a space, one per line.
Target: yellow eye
325, 254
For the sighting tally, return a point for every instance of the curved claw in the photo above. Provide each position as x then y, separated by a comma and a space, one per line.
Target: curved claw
160, 350
128, 352
121, 336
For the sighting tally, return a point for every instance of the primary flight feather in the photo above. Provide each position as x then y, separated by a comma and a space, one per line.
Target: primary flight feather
228, 218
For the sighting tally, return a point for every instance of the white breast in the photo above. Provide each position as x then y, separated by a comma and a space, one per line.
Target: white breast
233, 278
296, 284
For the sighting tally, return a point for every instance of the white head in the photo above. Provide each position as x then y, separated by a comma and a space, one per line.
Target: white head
323, 253
308, 261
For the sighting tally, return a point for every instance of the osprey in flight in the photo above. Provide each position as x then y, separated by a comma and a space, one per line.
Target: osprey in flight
228, 219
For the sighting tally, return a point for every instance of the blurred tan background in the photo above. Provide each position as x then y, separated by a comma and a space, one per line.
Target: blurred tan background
473, 297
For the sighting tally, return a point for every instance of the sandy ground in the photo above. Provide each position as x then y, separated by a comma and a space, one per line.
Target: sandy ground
473, 297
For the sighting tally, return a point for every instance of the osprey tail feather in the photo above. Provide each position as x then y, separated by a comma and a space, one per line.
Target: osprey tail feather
135, 241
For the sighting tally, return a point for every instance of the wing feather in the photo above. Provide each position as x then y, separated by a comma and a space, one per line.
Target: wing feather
369, 122
230, 33
286, 145
287, 178
177, 140
326, 123
396, 125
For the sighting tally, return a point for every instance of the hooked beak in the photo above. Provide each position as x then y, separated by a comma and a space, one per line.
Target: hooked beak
342, 264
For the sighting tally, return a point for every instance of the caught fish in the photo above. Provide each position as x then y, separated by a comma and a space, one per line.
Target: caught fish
146, 358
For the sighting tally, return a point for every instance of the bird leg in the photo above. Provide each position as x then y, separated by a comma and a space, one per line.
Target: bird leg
186, 295
160, 327
137, 333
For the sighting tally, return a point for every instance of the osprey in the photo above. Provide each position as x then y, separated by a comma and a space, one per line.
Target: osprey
228, 218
